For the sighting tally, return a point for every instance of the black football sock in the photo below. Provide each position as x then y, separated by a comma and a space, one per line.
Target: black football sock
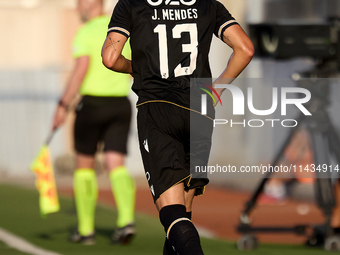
181, 233
167, 249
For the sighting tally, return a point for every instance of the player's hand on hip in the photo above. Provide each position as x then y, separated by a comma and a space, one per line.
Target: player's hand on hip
215, 102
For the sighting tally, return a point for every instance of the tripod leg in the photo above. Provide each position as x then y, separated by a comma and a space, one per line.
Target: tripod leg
323, 184
335, 149
334, 142
252, 202
335, 222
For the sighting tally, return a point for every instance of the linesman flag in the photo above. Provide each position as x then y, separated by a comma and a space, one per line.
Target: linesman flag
45, 182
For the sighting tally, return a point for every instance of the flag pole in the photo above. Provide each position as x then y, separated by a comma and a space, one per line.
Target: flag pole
50, 136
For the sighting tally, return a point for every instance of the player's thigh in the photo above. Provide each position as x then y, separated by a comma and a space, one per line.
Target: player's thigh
113, 159
201, 128
172, 196
85, 161
162, 150
189, 198
116, 130
87, 130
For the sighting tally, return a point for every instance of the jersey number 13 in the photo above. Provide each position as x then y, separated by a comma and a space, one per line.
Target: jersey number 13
192, 48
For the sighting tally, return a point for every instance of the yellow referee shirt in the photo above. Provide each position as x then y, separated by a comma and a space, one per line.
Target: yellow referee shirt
99, 81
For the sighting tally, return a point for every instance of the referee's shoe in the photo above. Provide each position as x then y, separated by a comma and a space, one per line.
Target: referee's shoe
75, 237
123, 235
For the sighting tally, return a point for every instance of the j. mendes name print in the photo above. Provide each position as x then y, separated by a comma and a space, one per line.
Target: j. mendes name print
175, 14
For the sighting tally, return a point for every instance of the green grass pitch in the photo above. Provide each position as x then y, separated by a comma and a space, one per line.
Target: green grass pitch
19, 214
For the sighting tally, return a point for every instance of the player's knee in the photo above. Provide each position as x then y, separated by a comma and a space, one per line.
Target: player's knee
113, 160
181, 233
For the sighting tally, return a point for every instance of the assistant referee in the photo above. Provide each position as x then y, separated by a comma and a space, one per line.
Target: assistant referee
103, 115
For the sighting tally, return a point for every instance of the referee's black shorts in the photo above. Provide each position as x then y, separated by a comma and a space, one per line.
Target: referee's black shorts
102, 119
164, 138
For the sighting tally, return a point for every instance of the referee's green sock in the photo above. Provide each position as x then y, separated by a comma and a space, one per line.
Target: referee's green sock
85, 192
124, 192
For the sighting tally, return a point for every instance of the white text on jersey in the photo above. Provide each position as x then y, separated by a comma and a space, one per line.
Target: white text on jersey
176, 14
171, 2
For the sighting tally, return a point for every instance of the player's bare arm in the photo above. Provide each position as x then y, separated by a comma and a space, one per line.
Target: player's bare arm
112, 53
72, 88
243, 49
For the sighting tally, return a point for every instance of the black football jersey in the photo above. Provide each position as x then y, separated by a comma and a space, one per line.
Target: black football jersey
170, 42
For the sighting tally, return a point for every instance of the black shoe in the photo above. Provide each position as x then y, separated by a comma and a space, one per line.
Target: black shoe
123, 235
75, 237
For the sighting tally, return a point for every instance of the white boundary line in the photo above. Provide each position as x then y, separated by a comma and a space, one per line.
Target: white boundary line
20, 244
204, 232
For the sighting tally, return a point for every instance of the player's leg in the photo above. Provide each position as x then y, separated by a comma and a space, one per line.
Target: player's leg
123, 185
86, 135
85, 193
190, 241
196, 150
124, 190
180, 231
172, 196
188, 200
162, 143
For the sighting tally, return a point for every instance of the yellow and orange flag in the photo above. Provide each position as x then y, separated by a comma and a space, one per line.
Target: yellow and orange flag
45, 182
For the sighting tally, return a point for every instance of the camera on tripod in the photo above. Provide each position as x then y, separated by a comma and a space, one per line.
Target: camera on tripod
283, 40
321, 42
297, 38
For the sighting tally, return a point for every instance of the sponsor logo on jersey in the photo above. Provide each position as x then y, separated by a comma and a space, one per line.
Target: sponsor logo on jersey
148, 176
152, 190
146, 146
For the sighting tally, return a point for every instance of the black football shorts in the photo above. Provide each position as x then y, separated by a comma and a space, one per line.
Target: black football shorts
164, 137
102, 119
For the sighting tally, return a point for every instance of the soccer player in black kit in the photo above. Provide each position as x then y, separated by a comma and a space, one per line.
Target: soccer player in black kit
170, 41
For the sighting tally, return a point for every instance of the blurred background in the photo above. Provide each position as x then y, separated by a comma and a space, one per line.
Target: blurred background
35, 62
